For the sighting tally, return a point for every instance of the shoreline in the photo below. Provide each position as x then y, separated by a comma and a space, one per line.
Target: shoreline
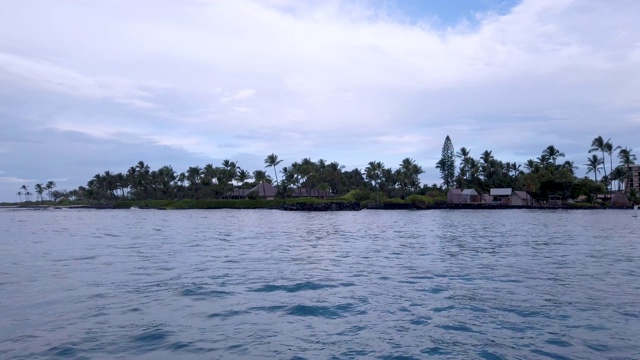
297, 206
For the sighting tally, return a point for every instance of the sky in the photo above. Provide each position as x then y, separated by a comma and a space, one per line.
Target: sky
95, 85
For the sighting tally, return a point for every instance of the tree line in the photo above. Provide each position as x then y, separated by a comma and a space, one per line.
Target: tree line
541, 177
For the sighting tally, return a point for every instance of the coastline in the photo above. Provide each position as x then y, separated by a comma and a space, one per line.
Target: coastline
294, 205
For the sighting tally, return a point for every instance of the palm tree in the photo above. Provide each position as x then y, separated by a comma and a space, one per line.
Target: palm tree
570, 166
39, 190
609, 149
530, 165
598, 144
552, 153
26, 192
273, 161
193, 176
242, 176
373, 172
593, 165
619, 174
50, 186
19, 195
627, 159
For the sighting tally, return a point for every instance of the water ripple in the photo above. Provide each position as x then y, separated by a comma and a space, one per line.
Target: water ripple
89, 284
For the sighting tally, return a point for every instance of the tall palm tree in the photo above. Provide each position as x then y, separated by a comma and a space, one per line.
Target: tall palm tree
193, 176
598, 144
26, 192
593, 165
373, 172
609, 149
619, 174
530, 164
19, 195
570, 167
49, 187
552, 153
242, 176
39, 189
273, 161
627, 159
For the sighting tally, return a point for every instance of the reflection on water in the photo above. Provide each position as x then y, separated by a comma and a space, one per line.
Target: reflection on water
270, 284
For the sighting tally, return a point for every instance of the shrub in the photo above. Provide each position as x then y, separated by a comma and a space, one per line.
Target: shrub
419, 201
357, 195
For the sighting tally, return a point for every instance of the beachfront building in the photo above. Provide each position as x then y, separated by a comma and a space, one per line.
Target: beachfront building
264, 190
502, 195
470, 196
454, 196
634, 179
521, 198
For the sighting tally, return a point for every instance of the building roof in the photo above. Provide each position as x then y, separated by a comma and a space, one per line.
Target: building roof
264, 189
455, 191
500, 192
469, 192
521, 194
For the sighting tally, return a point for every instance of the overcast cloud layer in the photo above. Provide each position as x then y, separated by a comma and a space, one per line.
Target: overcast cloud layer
88, 86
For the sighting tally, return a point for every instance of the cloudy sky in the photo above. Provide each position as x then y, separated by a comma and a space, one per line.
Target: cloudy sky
88, 86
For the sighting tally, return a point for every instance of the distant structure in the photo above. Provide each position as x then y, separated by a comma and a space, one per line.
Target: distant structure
264, 190
502, 195
521, 198
634, 180
470, 196
454, 196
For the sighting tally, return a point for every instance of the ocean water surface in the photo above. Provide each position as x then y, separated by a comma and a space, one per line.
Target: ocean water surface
256, 284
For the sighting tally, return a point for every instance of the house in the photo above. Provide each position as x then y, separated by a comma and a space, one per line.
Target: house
521, 198
486, 198
263, 190
632, 181
502, 195
470, 196
454, 196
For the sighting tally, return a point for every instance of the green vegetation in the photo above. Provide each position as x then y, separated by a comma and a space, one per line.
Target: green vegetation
322, 182
447, 164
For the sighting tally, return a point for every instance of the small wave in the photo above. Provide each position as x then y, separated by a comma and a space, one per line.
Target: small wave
66, 351
77, 259
227, 314
487, 355
200, 292
548, 354
327, 312
422, 320
270, 309
558, 342
398, 357
303, 286
150, 340
462, 328
442, 309
434, 351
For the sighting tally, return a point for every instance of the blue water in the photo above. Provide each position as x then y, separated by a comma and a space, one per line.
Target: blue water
242, 284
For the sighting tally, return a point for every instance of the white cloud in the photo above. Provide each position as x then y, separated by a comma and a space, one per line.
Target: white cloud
14, 179
240, 95
337, 78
